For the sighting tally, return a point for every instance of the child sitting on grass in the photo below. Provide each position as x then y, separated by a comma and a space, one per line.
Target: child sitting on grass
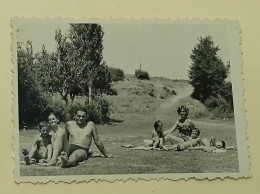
157, 139
192, 141
41, 150
157, 135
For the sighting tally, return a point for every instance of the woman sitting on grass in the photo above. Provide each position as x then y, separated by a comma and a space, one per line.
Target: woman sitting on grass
183, 125
54, 126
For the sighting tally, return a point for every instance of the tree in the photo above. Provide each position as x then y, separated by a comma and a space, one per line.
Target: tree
32, 102
68, 72
87, 46
207, 72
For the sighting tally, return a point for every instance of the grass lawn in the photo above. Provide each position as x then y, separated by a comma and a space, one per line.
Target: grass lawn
133, 131
137, 113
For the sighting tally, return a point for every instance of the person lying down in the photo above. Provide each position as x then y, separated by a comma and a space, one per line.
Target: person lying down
206, 144
212, 145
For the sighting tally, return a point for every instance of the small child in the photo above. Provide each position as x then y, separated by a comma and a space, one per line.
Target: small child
41, 148
157, 136
192, 141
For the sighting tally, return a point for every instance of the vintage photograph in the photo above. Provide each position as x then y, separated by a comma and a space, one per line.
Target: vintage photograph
114, 99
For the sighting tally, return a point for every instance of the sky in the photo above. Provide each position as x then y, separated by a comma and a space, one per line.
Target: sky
162, 49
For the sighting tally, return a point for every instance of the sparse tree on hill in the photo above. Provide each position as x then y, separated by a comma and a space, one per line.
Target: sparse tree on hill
116, 74
207, 72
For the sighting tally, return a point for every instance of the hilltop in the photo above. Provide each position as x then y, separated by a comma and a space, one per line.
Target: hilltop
155, 95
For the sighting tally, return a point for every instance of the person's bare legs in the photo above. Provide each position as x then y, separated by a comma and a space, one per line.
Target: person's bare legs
26, 156
61, 144
77, 156
173, 139
32, 151
205, 142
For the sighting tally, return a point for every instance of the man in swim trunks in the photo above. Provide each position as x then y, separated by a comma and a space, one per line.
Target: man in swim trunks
74, 142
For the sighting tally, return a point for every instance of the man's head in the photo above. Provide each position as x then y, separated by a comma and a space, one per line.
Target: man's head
44, 128
183, 111
81, 117
158, 125
195, 133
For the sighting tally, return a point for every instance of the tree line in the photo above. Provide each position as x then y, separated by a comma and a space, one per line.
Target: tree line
75, 68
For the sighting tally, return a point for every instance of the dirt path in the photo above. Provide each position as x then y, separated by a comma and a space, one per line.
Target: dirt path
187, 90
166, 111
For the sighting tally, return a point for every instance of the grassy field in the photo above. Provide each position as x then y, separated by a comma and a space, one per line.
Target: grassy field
140, 161
132, 125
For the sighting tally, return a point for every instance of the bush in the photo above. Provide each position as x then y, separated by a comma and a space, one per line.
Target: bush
197, 109
142, 74
59, 108
98, 112
219, 107
116, 74
226, 93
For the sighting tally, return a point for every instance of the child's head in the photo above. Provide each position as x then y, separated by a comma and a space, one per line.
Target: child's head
195, 133
220, 144
158, 125
44, 128
183, 111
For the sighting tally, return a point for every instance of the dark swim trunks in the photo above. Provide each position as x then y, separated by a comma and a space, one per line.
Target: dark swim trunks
74, 147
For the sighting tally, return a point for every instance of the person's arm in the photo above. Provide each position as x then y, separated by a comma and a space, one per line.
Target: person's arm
34, 146
153, 136
231, 148
155, 144
67, 126
49, 148
174, 127
98, 141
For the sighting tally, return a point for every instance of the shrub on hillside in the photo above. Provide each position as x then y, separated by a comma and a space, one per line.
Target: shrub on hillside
196, 108
116, 74
219, 107
226, 93
142, 74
